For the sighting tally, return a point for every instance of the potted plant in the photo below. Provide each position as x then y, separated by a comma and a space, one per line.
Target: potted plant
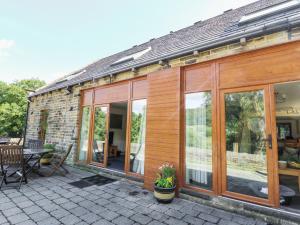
45, 160
165, 184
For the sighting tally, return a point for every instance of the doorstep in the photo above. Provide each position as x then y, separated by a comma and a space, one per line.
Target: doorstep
267, 214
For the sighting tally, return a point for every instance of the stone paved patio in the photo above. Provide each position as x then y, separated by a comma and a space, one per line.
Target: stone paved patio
51, 201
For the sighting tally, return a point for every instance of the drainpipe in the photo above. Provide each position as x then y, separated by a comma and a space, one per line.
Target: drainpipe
26, 119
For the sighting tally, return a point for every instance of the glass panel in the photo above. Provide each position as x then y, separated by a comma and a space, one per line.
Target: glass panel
84, 133
246, 149
99, 134
198, 140
138, 131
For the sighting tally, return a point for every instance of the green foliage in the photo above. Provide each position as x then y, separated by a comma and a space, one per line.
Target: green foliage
13, 105
166, 177
199, 122
164, 182
100, 124
244, 120
49, 146
136, 122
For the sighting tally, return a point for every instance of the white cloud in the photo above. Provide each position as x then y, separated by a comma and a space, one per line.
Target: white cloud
6, 44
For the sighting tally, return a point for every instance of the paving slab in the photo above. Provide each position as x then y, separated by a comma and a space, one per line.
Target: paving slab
52, 200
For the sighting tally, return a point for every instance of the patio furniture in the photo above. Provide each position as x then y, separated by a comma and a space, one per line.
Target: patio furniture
15, 141
4, 140
35, 144
33, 157
261, 190
12, 165
291, 172
58, 160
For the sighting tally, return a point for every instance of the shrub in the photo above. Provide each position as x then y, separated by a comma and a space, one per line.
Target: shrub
166, 178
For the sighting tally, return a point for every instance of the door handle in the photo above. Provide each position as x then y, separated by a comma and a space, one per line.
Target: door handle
269, 141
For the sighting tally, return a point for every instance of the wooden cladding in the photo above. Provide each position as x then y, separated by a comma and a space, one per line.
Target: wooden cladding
117, 92
163, 122
165, 91
87, 98
109, 94
198, 78
139, 89
272, 65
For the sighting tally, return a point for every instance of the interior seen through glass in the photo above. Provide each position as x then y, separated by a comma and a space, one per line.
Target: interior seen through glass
288, 141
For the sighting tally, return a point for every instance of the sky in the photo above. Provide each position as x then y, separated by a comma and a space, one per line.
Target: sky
49, 39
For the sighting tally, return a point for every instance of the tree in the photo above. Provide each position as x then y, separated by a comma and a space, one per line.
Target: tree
13, 105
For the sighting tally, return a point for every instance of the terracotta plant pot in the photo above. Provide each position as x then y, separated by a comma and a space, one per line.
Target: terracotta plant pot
164, 195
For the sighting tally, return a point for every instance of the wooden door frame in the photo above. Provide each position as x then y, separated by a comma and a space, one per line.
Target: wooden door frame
128, 139
90, 151
270, 152
83, 162
213, 189
92, 106
214, 116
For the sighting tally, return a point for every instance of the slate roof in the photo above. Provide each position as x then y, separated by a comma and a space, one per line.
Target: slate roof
202, 35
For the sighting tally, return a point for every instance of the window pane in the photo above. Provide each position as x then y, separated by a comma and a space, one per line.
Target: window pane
138, 130
246, 150
198, 140
99, 134
84, 133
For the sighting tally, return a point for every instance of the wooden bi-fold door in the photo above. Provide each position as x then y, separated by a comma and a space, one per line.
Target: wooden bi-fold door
247, 159
99, 135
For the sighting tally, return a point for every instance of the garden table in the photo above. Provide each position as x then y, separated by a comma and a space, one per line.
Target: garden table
34, 155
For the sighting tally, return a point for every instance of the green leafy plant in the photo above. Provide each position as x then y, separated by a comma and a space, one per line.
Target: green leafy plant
166, 177
13, 105
49, 146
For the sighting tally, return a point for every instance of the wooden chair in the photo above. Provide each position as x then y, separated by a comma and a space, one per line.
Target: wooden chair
15, 141
58, 160
35, 144
12, 165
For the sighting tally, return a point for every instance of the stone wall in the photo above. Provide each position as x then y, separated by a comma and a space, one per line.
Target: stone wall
63, 119
64, 110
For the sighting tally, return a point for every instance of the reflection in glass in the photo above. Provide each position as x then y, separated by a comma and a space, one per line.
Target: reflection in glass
246, 149
198, 140
99, 134
138, 130
84, 133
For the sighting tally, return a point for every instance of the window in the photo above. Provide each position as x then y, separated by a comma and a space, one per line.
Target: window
270, 10
69, 77
198, 140
131, 57
43, 125
84, 133
99, 134
245, 143
138, 134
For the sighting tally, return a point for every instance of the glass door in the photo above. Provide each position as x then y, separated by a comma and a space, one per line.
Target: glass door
99, 142
247, 144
